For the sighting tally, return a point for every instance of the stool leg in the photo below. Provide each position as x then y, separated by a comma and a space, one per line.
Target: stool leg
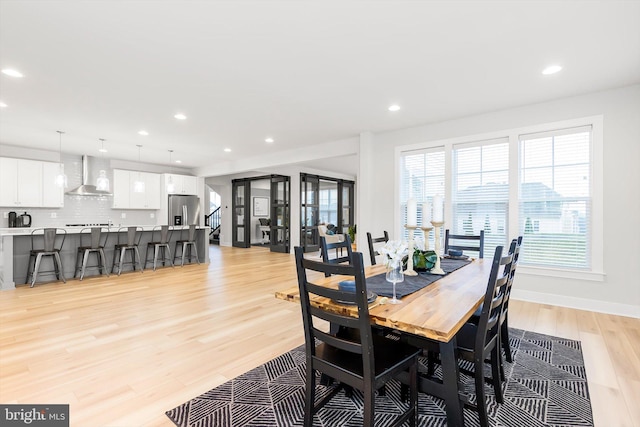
122, 253
75, 272
136, 253
85, 261
29, 270
155, 256
35, 270
58, 262
195, 250
103, 265
169, 256
184, 244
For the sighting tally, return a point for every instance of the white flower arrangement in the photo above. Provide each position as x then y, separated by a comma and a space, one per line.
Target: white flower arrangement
393, 252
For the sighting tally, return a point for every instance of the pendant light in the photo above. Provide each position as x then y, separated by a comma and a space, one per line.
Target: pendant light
138, 186
171, 187
102, 183
61, 178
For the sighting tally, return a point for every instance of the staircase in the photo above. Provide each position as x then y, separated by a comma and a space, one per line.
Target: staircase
213, 220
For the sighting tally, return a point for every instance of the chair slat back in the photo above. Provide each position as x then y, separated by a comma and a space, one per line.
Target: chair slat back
515, 248
95, 237
361, 344
326, 247
493, 299
451, 242
372, 240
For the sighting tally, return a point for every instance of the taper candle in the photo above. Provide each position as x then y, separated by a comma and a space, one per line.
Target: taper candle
438, 208
412, 212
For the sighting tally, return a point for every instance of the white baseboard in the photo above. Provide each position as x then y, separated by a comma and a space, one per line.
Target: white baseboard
578, 303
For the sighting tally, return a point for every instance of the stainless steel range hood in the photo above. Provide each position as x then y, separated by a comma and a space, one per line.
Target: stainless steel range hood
87, 189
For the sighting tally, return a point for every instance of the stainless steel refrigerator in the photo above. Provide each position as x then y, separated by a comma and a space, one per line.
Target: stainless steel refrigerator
184, 210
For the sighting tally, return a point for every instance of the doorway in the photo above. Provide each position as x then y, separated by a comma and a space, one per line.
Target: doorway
260, 207
324, 200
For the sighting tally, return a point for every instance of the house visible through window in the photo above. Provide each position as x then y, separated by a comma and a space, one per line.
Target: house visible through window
555, 198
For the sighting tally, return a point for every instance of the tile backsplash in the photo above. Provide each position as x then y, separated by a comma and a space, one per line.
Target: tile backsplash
83, 209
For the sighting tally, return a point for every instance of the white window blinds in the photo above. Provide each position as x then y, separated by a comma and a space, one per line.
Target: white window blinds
555, 198
422, 177
480, 193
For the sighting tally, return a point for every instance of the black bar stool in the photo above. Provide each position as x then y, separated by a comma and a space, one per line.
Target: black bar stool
52, 242
186, 246
95, 246
161, 235
128, 240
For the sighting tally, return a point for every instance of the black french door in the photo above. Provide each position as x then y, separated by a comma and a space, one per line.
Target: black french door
280, 224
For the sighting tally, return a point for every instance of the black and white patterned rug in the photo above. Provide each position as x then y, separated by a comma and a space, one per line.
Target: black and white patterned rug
546, 386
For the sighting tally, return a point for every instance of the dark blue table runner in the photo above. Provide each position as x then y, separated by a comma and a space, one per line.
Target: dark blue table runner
411, 284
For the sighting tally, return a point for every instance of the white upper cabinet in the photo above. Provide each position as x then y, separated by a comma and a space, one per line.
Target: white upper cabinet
52, 193
124, 195
23, 183
182, 184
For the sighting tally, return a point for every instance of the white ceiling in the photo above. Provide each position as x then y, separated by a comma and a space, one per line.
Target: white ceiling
301, 72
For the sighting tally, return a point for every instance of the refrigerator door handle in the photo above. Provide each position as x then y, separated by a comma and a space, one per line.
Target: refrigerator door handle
185, 218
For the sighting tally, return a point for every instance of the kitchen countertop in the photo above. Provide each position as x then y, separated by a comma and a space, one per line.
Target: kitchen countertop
26, 231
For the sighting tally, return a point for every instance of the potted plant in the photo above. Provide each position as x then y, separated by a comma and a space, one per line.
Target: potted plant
352, 235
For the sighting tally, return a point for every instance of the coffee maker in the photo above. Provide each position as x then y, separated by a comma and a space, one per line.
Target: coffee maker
13, 220
23, 220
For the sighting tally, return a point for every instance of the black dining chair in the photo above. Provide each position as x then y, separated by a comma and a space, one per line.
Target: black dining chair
478, 342
504, 317
363, 361
464, 242
373, 240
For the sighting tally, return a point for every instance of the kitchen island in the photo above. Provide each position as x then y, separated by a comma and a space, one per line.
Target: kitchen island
15, 244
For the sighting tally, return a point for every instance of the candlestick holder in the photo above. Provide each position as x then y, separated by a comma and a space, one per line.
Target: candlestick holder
437, 225
410, 271
426, 231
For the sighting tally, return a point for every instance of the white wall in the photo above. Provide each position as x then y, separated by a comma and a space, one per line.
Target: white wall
620, 290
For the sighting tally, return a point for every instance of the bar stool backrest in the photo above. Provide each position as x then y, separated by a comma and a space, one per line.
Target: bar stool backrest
49, 241
134, 234
96, 236
192, 233
165, 233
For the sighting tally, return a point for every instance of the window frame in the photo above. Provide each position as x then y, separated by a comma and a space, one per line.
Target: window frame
596, 231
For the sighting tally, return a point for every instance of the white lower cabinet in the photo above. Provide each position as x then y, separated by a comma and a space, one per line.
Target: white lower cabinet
125, 196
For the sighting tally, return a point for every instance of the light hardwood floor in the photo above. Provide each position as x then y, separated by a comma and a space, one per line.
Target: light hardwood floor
123, 350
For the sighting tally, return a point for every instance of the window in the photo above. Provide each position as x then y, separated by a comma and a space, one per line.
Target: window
422, 176
543, 181
555, 198
480, 194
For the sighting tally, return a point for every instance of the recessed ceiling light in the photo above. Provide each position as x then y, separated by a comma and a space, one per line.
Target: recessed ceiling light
3, 105
12, 73
227, 150
143, 133
269, 140
102, 150
178, 161
394, 107
180, 116
551, 69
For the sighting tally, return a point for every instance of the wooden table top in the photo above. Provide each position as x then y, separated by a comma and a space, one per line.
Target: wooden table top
437, 311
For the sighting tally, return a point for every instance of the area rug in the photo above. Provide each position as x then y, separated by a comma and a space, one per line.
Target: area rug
546, 385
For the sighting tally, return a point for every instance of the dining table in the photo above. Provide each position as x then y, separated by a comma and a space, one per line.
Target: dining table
434, 313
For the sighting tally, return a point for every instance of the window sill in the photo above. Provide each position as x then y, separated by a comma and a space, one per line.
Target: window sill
565, 274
